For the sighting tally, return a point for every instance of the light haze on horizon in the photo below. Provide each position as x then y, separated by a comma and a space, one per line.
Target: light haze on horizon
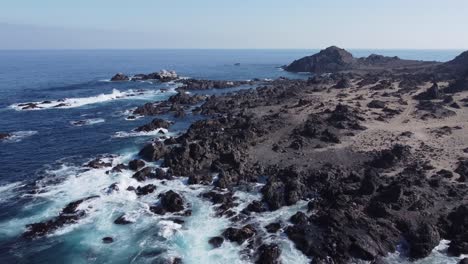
226, 24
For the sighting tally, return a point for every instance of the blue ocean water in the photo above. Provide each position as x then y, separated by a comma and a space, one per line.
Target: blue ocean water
48, 147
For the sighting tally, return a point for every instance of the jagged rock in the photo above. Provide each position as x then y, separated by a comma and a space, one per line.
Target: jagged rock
431, 93
153, 151
463, 261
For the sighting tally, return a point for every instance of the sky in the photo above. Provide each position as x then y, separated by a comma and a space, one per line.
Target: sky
233, 24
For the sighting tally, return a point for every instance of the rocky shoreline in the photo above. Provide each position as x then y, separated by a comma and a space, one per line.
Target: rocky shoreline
376, 147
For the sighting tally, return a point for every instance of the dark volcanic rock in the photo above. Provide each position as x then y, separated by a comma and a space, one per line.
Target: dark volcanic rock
69, 215
107, 240
387, 158
376, 104
153, 151
423, 240
122, 220
216, 242
269, 254
463, 261
462, 169
98, 164
120, 77
143, 174
239, 235
169, 201
273, 227
136, 164
430, 94
343, 83
147, 189
155, 124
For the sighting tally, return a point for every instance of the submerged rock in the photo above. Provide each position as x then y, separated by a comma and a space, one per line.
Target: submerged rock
4, 136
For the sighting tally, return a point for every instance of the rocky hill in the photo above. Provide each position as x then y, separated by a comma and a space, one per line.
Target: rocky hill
334, 59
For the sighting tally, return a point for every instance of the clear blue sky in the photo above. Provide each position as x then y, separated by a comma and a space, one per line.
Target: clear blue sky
424, 24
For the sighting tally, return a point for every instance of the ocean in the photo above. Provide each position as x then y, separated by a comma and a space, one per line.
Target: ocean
48, 148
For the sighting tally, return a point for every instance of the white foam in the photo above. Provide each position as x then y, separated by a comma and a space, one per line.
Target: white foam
79, 102
19, 135
156, 132
88, 122
8, 191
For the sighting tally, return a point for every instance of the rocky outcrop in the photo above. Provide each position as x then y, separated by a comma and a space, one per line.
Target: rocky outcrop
334, 59
120, 77
70, 214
